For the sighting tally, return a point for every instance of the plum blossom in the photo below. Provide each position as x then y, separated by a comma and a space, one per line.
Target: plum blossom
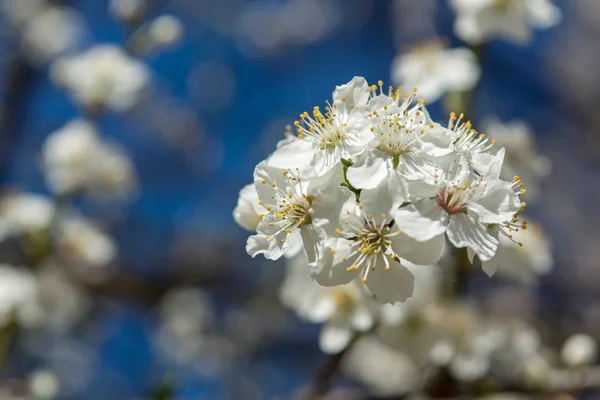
19, 289
103, 76
481, 20
24, 213
436, 70
396, 152
463, 205
76, 158
292, 204
325, 138
373, 185
371, 245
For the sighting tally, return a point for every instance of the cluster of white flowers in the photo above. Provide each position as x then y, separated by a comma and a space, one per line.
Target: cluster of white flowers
371, 182
103, 76
46, 30
76, 158
436, 70
479, 20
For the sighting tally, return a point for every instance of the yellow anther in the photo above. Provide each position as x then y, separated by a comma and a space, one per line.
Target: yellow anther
332, 251
338, 231
263, 181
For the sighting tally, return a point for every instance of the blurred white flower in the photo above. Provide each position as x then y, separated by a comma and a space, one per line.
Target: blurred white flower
76, 158
383, 369
186, 334
435, 70
61, 302
579, 350
481, 20
467, 344
342, 309
83, 243
427, 292
522, 157
103, 76
523, 262
19, 12
19, 290
127, 10
166, 30
51, 32
22, 213
44, 384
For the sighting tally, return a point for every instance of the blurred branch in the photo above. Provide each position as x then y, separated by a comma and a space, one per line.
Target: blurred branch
18, 79
323, 379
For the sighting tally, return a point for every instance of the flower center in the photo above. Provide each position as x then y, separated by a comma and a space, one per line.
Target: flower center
324, 128
295, 210
453, 199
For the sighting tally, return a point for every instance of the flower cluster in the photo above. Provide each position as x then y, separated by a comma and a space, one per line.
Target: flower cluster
372, 182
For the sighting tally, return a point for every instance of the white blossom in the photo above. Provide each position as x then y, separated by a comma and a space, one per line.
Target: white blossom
292, 204
464, 205
19, 290
165, 30
103, 76
23, 213
76, 158
83, 242
371, 245
50, 32
325, 138
342, 309
127, 10
579, 350
481, 20
436, 70
403, 182
396, 153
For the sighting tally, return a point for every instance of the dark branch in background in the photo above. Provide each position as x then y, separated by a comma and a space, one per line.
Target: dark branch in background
324, 378
19, 76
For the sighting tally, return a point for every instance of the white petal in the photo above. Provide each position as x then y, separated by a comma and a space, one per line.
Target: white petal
330, 269
362, 318
422, 220
322, 309
355, 92
294, 245
296, 154
421, 253
334, 338
466, 231
245, 213
392, 285
259, 244
313, 238
490, 267
368, 172
376, 201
